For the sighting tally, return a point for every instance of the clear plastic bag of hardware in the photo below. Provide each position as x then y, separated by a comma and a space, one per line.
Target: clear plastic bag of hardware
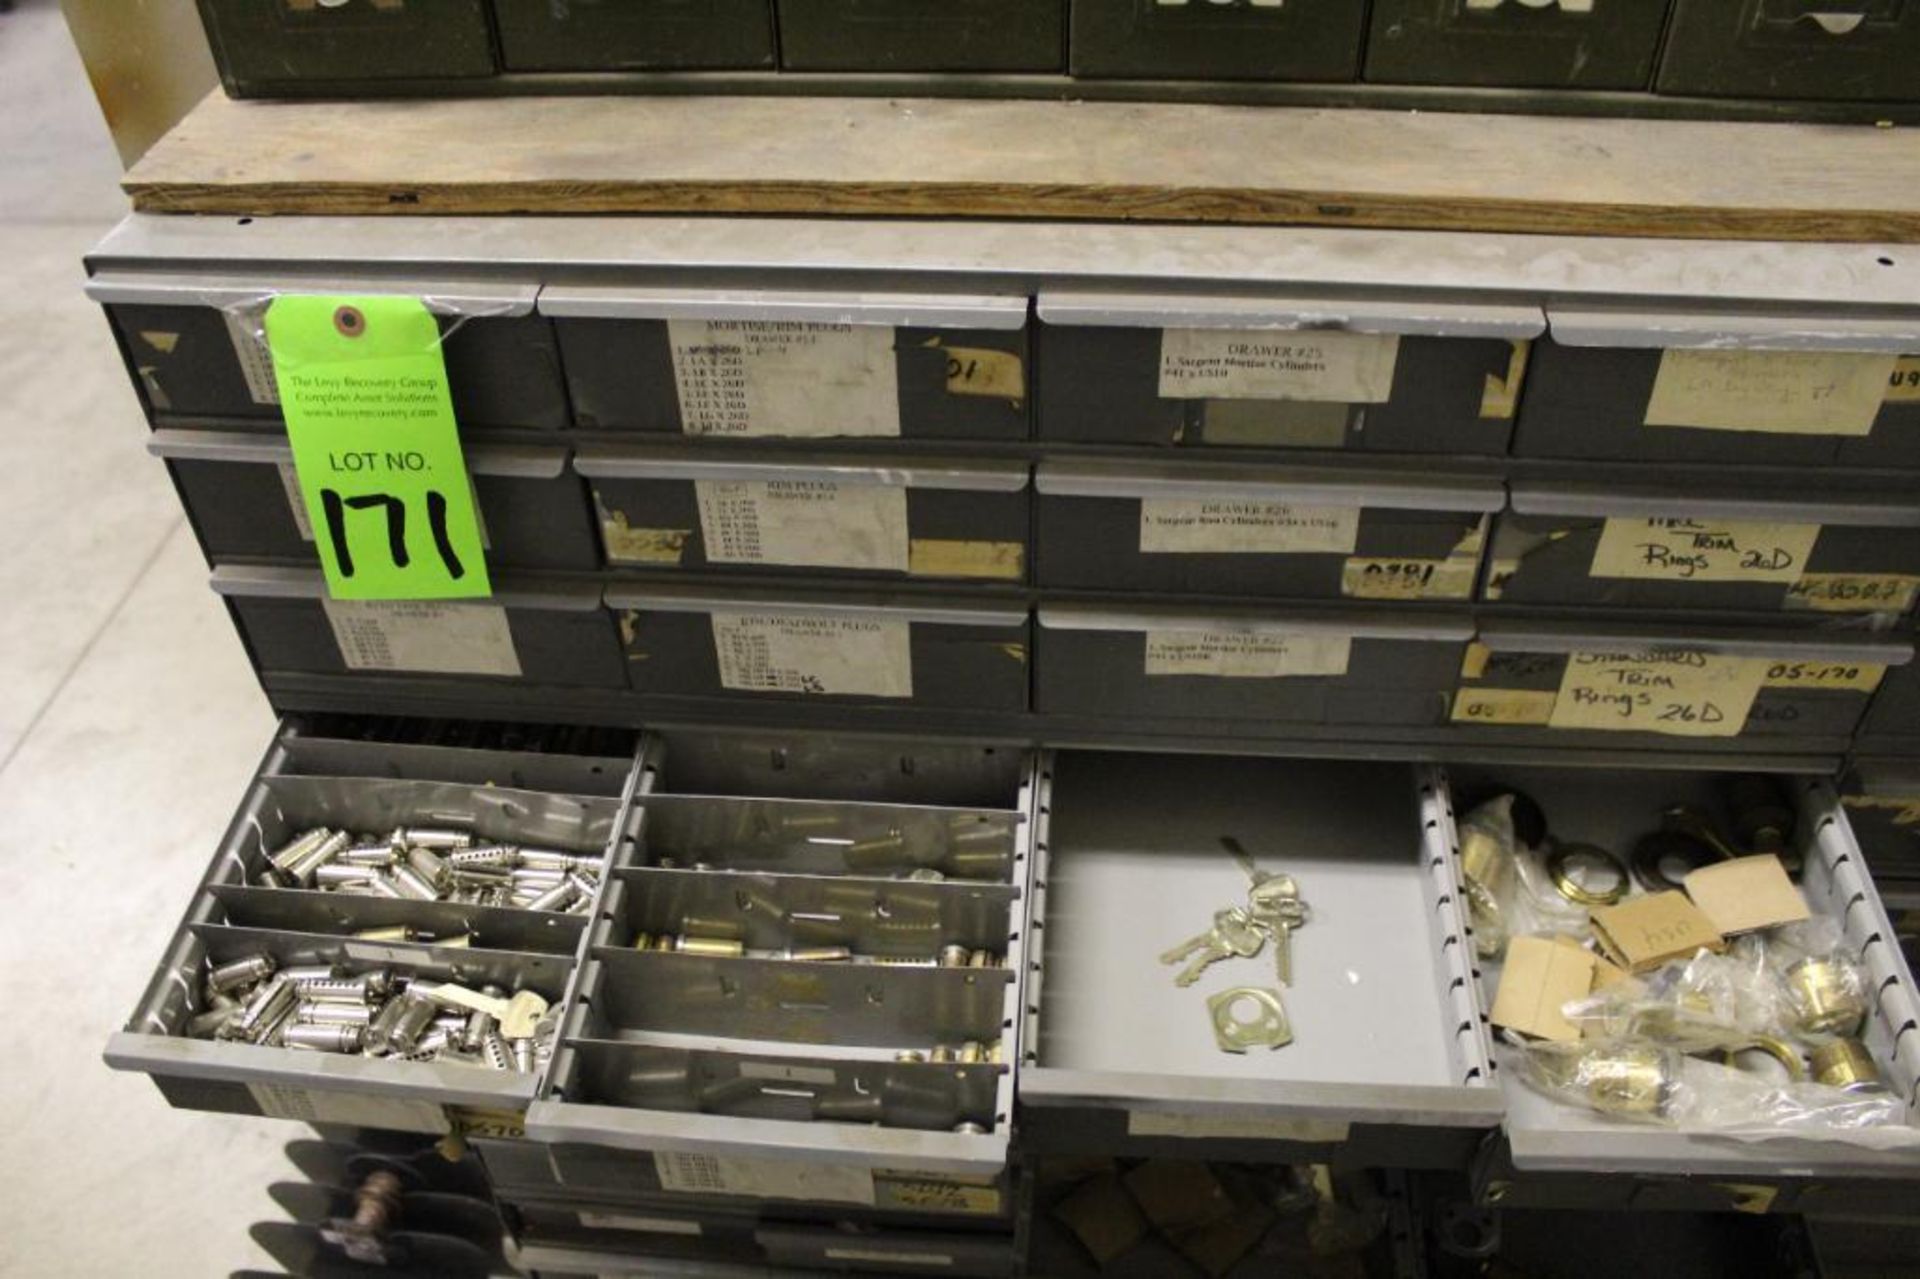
1823, 990
1710, 1001
1534, 905
1487, 855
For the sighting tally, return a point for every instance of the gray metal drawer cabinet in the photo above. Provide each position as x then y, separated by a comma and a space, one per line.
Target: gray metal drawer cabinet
266, 46
534, 630
1895, 712
1307, 373
777, 1059
1882, 797
244, 500
853, 515
1740, 389
749, 363
1559, 44
1240, 528
619, 35
1282, 666
818, 646
1550, 1142
1389, 1064
922, 35
1647, 682
196, 348
1218, 39
557, 801
1707, 540
1845, 49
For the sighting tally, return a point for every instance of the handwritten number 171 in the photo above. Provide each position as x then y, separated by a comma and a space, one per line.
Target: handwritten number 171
336, 507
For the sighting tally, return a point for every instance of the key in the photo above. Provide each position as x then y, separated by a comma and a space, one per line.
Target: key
1233, 935
1279, 917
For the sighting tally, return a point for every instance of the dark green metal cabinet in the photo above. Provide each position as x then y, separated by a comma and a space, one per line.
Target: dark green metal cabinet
1559, 44
1219, 39
1835, 49
634, 35
266, 45
922, 35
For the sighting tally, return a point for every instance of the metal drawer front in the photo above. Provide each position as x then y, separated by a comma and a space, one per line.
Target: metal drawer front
194, 344
753, 1062
682, 35
263, 47
1382, 667
1895, 712
1389, 1055
1561, 44
243, 498
1700, 541
536, 631
1612, 808
1239, 40
1740, 390
757, 363
1299, 532
377, 786
923, 35
1393, 376
1852, 49
849, 516
1647, 683
819, 646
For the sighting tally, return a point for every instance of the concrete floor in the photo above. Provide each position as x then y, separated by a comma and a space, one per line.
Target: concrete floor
129, 721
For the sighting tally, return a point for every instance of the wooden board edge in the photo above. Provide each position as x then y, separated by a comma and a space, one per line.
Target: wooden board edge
1224, 206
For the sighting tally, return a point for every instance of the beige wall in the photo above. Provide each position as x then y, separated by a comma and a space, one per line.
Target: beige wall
148, 61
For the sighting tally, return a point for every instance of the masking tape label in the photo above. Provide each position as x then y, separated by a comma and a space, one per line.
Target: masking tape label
628, 545
1853, 592
1903, 387
690, 1173
422, 635
1690, 550
952, 557
1773, 392
1679, 693
1502, 706
1185, 526
777, 378
1850, 677
1236, 655
973, 370
1386, 579
1276, 364
804, 523
778, 653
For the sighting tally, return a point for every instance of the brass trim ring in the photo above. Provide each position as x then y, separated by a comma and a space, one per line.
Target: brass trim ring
1579, 894
1778, 1049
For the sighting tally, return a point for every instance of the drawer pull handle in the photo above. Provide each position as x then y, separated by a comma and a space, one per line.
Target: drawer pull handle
1565, 6
1838, 24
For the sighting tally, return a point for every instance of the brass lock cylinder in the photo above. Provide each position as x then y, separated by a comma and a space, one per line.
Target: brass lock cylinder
1827, 996
1846, 1064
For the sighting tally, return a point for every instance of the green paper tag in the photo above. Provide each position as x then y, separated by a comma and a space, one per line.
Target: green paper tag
376, 448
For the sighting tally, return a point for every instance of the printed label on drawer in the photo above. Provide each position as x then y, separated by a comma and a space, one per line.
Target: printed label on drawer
889, 1258
650, 1225
296, 500
1849, 677
320, 1106
1158, 1123
1231, 655
256, 362
1903, 387
1774, 392
928, 1194
776, 653
753, 377
1187, 526
1689, 550
1276, 364
1502, 706
423, 636
1679, 693
763, 1178
1381, 579
1853, 592
807, 523
787, 1072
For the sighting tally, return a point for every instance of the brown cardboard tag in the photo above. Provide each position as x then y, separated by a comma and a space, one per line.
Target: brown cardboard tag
1746, 893
1542, 974
1644, 932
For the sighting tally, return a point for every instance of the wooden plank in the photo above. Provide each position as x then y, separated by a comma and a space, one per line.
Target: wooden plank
1023, 159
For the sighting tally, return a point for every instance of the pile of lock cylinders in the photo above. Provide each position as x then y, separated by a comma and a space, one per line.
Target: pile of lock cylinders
435, 864
1646, 995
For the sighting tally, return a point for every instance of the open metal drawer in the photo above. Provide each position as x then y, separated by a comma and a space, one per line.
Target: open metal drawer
1553, 1149
852, 1078
1390, 1060
576, 803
